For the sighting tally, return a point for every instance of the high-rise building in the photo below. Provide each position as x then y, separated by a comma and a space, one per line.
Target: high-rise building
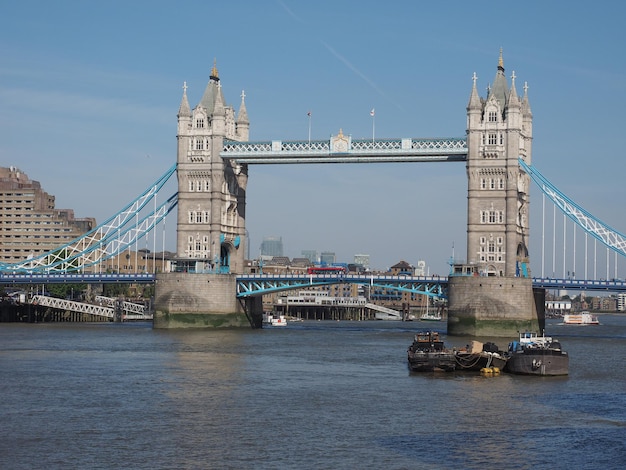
29, 223
362, 260
327, 257
311, 255
271, 246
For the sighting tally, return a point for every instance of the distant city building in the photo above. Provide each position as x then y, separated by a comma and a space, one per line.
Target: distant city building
362, 260
327, 257
29, 223
311, 255
621, 302
271, 247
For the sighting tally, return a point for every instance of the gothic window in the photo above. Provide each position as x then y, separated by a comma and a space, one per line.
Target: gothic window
483, 217
483, 183
493, 139
199, 144
501, 139
483, 240
492, 183
500, 240
493, 116
492, 217
207, 185
200, 123
483, 139
190, 217
205, 217
199, 217
500, 217
500, 183
192, 186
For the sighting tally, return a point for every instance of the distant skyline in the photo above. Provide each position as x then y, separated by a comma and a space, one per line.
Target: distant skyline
88, 108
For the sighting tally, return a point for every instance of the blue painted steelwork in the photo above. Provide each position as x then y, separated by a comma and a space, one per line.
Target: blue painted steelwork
33, 278
447, 149
249, 285
614, 285
610, 237
106, 240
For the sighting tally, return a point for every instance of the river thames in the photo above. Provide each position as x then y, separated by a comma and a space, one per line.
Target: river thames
313, 395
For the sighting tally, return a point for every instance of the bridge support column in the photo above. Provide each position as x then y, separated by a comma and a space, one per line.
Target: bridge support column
254, 310
482, 306
190, 300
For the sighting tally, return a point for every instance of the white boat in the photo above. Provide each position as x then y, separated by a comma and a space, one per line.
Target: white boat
430, 316
271, 319
583, 318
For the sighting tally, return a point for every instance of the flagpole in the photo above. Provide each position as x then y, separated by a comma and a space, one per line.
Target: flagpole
309, 114
373, 114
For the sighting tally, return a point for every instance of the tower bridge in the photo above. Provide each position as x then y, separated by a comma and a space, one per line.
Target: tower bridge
492, 294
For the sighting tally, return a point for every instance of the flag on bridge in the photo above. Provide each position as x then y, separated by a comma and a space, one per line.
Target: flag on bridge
372, 112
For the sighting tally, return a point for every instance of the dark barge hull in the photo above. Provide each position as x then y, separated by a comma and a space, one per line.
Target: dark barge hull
538, 362
431, 361
478, 361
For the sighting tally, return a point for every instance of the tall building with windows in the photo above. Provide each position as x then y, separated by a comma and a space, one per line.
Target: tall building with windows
211, 191
362, 260
328, 257
499, 132
30, 225
271, 247
311, 255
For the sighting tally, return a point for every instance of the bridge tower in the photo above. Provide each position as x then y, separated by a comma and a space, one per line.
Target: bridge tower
211, 192
211, 219
491, 294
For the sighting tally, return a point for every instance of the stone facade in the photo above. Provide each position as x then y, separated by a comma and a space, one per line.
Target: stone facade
211, 192
184, 300
491, 306
30, 225
492, 294
499, 131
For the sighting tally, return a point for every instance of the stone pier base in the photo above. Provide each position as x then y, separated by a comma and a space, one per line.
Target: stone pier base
492, 306
190, 300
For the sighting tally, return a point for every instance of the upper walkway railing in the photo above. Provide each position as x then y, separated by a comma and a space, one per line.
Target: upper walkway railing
344, 149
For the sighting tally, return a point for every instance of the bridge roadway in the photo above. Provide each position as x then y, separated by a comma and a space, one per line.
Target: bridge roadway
258, 284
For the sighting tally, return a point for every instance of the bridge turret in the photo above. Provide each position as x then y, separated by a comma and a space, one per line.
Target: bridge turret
498, 133
243, 124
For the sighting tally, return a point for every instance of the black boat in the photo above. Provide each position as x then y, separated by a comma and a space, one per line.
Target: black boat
427, 353
537, 355
480, 356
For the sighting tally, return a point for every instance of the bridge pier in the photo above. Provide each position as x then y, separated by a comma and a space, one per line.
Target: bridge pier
493, 306
194, 300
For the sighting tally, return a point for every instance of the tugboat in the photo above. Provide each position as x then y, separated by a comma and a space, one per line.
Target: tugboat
479, 356
427, 353
537, 355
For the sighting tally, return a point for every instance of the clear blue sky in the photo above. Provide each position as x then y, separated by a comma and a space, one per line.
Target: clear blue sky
89, 93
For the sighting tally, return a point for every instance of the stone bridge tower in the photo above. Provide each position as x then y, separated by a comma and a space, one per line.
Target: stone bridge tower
211, 192
491, 293
499, 130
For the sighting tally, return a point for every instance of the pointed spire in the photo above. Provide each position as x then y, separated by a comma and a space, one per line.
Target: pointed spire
218, 107
243, 112
184, 109
474, 101
500, 88
211, 91
214, 74
525, 103
513, 98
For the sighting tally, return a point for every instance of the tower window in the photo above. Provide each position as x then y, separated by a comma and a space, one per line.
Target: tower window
493, 139
493, 116
200, 123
